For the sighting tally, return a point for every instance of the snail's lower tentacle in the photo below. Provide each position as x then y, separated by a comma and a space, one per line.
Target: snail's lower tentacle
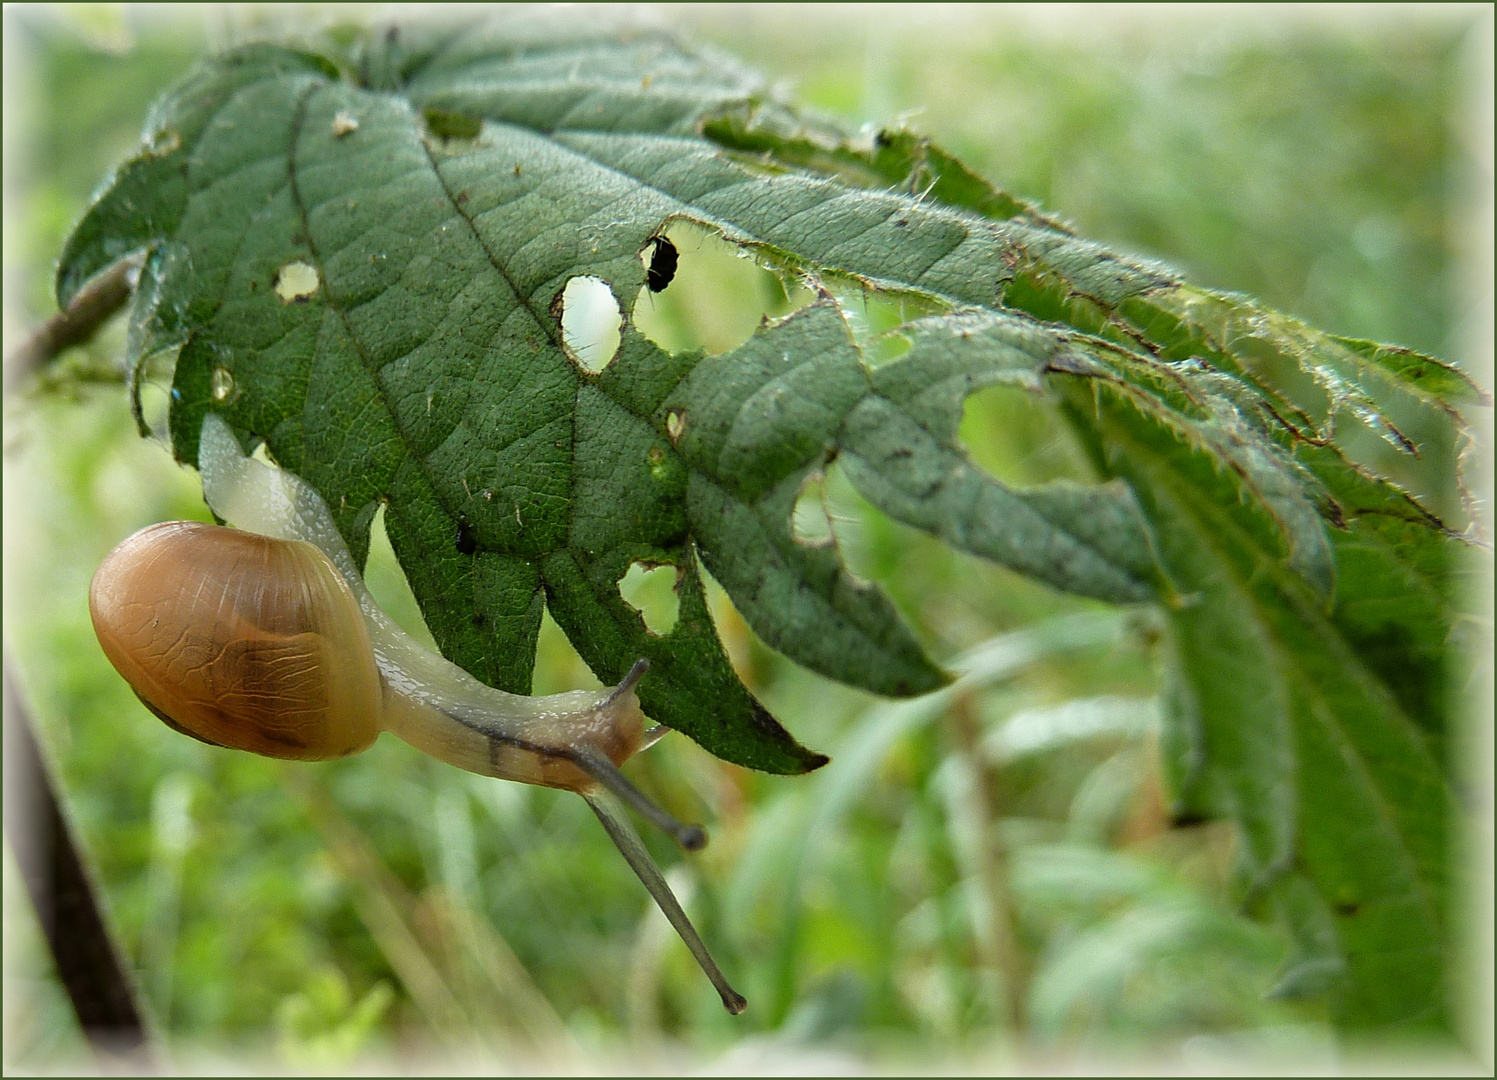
605, 772
633, 850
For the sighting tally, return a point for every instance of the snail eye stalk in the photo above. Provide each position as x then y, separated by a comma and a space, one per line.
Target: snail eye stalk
610, 814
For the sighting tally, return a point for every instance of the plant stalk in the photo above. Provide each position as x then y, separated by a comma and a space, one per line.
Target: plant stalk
999, 944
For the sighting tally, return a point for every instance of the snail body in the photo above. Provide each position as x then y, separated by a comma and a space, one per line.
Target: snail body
264, 638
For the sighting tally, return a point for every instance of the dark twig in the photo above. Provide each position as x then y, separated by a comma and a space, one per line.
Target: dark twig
88, 962
89, 310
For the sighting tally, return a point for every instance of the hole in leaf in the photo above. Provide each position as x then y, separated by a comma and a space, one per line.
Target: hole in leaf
850, 516
829, 512
660, 266
651, 591
872, 313
733, 631
388, 584
675, 424
885, 348
809, 522
155, 407
1015, 437
154, 392
558, 668
716, 295
591, 323
295, 282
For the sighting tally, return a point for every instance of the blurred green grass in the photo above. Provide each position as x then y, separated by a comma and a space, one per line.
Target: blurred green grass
1313, 166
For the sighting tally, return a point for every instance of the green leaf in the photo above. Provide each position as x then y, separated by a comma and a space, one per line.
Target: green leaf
363, 261
1280, 724
756, 423
901, 452
893, 158
1433, 377
753, 426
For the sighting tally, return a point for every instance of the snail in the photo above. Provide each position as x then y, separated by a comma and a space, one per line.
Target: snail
268, 641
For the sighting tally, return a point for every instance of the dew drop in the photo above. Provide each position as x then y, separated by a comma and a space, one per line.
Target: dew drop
221, 385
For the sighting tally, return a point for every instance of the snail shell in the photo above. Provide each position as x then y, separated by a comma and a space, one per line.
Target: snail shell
240, 640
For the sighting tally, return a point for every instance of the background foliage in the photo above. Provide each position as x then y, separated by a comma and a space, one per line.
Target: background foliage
294, 904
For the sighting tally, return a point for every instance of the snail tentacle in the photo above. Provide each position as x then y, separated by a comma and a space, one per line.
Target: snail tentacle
616, 824
690, 837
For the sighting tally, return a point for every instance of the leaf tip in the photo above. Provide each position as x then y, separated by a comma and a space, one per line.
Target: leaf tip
790, 757
928, 679
814, 761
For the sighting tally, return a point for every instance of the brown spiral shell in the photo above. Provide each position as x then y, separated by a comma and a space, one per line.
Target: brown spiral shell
240, 640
